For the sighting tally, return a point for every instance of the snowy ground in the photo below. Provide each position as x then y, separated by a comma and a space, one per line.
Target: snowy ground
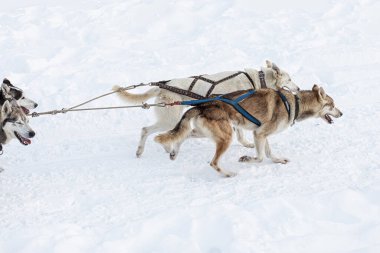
79, 187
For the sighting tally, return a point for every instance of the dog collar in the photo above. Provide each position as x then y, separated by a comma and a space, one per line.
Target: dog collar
285, 101
297, 107
262, 79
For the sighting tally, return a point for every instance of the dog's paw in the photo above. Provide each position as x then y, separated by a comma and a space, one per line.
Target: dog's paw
229, 174
245, 159
173, 155
281, 160
249, 159
139, 151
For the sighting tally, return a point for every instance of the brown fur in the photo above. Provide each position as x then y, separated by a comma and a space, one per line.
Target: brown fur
215, 120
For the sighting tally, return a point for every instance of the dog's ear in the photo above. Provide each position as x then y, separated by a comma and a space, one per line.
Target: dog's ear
319, 92
322, 93
6, 109
275, 68
277, 71
6, 81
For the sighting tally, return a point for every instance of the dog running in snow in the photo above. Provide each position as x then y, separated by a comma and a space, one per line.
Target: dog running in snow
215, 119
14, 124
273, 77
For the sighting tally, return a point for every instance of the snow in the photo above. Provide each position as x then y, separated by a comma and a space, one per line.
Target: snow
79, 187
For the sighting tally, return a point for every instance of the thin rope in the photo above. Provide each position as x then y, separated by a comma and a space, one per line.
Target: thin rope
74, 108
110, 93
54, 112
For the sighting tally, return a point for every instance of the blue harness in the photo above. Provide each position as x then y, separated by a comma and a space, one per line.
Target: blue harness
235, 104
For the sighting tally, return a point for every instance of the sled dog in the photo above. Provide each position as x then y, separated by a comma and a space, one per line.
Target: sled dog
14, 124
9, 91
275, 111
271, 76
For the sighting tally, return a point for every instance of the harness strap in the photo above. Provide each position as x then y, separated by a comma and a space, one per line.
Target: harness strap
221, 81
297, 107
285, 101
193, 82
262, 79
250, 79
163, 85
234, 103
214, 83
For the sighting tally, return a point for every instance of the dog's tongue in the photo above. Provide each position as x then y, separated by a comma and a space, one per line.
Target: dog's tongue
26, 111
329, 119
26, 141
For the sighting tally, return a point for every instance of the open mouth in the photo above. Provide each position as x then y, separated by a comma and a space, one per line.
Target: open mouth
26, 111
23, 141
329, 119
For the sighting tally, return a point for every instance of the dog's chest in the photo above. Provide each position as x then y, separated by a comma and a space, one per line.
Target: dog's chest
281, 126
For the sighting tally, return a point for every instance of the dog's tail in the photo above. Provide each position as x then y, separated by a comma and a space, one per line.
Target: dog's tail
136, 98
181, 131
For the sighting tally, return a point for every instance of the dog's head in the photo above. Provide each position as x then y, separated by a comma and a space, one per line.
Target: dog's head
9, 91
14, 123
282, 78
327, 105
318, 104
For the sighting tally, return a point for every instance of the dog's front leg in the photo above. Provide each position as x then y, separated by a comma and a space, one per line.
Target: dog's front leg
274, 159
260, 141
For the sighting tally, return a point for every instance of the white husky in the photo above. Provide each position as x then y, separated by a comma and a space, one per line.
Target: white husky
204, 86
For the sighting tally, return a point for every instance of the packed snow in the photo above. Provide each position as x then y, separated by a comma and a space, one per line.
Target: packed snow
79, 186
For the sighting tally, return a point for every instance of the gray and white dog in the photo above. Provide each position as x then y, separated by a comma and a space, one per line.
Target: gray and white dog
14, 124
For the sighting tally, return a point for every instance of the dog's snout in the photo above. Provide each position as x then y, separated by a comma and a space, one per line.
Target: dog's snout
32, 134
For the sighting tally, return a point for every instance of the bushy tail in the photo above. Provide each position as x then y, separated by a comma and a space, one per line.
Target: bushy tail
180, 131
136, 98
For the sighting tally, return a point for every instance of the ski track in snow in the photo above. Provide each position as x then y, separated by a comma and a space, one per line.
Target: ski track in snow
79, 187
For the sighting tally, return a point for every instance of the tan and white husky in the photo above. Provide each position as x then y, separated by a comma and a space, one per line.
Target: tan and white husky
215, 120
167, 117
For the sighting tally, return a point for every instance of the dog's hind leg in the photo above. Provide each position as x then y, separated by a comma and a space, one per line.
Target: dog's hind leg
145, 132
275, 159
240, 136
167, 117
221, 133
